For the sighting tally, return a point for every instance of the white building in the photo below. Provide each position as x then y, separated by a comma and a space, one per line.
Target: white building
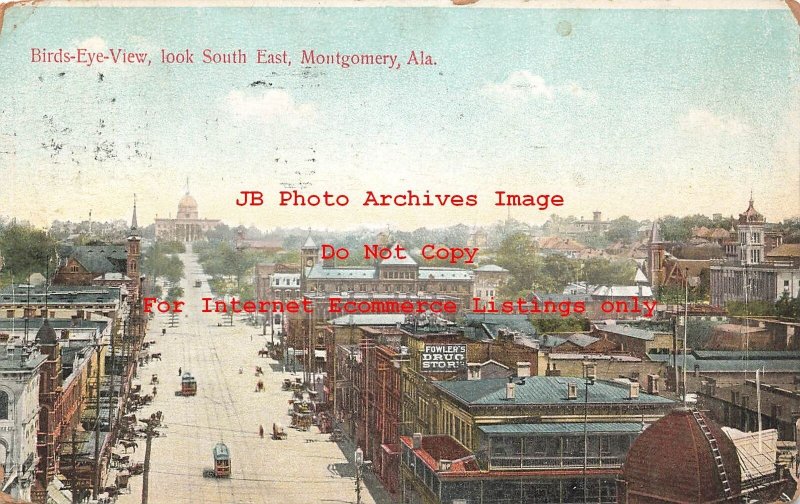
19, 416
758, 274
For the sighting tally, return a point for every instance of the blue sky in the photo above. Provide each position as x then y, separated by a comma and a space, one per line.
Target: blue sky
637, 112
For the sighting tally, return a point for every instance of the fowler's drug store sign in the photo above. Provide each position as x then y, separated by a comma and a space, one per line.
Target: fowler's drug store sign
444, 358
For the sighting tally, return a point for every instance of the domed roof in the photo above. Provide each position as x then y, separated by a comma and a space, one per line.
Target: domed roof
673, 460
46, 335
751, 215
187, 202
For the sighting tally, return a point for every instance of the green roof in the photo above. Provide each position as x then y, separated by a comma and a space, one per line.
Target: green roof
318, 272
741, 354
541, 390
624, 330
560, 428
732, 365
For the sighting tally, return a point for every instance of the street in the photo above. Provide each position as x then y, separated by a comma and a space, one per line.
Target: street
304, 468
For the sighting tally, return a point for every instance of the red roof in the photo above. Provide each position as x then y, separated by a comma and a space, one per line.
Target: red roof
672, 460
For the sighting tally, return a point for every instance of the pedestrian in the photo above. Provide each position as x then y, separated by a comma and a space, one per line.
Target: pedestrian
261, 431
251, 337
179, 371
155, 391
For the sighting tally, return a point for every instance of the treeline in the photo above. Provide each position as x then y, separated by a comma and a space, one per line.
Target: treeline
24, 250
161, 260
532, 272
786, 307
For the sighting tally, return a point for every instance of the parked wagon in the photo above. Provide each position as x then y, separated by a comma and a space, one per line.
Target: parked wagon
188, 385
222, 461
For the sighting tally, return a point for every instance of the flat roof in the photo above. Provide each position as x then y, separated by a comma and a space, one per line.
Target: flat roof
542, 390
561, 428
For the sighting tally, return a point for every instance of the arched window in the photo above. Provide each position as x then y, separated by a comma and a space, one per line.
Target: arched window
3, 405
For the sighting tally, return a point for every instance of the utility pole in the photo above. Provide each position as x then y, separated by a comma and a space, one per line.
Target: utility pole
96, 485
73, 487
111, 384
151, 424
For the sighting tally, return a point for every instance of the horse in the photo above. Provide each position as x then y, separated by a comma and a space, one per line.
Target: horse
129, 444
156, 356
263, 353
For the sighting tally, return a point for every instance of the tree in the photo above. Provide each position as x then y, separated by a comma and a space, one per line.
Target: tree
558, 324
604, 272
157, 262
556, 272
751, 309
623, 230
175, 293
789, 308
26, 250
517, 254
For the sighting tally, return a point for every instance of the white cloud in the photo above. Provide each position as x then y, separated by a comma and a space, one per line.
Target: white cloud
707, 123
520, 86
273, 105
97, 44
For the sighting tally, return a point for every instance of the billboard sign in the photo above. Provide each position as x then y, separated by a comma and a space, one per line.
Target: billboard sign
443, 358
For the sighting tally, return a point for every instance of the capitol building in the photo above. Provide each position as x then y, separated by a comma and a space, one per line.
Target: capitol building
187, 226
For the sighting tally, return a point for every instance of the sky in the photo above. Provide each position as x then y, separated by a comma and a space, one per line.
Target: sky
630, 112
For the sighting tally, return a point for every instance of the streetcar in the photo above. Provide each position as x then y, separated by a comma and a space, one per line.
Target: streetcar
188, 385
222, 461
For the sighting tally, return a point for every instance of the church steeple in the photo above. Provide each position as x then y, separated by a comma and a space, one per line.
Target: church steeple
134, 224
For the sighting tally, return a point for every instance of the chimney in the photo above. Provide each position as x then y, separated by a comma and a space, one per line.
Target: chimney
652, 384
572, 390
510, 391
523, 369
473, 371
633, 390
416, 441
589, 370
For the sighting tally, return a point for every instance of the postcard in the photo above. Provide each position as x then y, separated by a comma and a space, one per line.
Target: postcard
431, 252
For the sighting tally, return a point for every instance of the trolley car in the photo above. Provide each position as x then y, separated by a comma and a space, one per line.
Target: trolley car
222, 461
188, 385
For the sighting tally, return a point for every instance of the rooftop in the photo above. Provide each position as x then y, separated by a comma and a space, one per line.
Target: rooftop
625, 330
444, 274
60, 295
526, 429
440, 448
541, 390
733, 362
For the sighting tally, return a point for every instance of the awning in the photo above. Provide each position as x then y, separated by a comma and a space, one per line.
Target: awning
320, 354
564, 428
391, 449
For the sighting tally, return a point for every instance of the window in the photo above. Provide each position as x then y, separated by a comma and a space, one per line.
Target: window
73, 269
9, 313
3, 405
